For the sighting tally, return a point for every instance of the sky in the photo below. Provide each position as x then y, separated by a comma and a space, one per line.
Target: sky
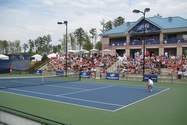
27, 19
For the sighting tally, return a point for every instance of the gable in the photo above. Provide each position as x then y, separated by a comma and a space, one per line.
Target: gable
139, 28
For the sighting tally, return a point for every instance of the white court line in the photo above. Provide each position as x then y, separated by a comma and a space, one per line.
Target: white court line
34, 92
88, 106
65, 87
91, 101
85, 90
79, 99
141, 100
51, 100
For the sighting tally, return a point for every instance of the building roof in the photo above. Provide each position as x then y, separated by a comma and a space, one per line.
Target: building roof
162, 23
124, 28
169, 22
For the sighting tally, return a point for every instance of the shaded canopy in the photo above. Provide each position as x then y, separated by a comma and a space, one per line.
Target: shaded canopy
37, 57
4, 57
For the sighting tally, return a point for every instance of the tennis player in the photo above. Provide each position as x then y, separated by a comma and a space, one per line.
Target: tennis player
149, 84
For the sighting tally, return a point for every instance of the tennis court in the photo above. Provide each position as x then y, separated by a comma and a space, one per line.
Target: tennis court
108, 97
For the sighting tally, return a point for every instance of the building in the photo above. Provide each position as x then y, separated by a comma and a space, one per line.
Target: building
161, 35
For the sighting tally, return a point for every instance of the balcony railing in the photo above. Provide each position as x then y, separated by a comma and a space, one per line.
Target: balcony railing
118, 43
174, 41
135, 42
147, 42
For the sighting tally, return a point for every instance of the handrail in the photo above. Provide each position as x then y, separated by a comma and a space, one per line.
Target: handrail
38, 64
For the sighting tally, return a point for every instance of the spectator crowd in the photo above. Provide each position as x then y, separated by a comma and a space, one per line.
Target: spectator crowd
125, 65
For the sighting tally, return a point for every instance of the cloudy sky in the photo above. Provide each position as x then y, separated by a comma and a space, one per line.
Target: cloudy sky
28, 19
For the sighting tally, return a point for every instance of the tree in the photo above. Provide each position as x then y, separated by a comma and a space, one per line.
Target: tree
98, 45
72, 41
56, 48
31, 46
93, 33
80, 35
25, 47
12, 48
47, 45
4, 46
87, 43
1, 46
17, 46
103, 26
118, 21
108, 25
42, 44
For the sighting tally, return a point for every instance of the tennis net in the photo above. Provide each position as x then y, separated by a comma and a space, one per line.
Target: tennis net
13, 82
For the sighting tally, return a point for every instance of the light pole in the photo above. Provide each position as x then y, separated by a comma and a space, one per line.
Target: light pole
66, 44
143, 12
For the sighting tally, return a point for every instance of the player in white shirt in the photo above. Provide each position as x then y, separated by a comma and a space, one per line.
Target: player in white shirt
149, 85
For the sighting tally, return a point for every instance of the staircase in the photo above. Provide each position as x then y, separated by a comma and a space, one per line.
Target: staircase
165, 71
113, 67
38, 65
98, 69
167, 75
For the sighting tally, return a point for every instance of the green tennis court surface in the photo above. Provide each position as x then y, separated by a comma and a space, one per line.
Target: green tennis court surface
168, 108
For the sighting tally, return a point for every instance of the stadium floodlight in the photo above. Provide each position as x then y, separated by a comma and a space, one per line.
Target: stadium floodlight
136, 11
146, 10
143, 12
66, 43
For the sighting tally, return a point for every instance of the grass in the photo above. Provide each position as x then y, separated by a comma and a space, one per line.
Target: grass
169, 108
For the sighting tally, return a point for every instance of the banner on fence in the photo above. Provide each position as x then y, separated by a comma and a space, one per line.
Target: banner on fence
39, 71
60, 72
85, 75
152, 76
112, 76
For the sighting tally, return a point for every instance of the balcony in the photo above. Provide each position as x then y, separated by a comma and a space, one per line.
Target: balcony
174, 41
118, 43
135, 42
147, 42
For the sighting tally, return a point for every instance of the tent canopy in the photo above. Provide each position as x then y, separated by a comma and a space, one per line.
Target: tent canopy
52, 55
37, 57
94, 50
4, 57
84, 51
72, 51
106, 50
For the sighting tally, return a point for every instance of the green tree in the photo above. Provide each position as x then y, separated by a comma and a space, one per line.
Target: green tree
4, 46
103, 26
25, 47
47, 44
72, 41
62, 44
87, 43
12, 47
17, 46
42, 44
31, 46
56, 48
98, 45
1, 46
93, 33
80, 36
108, 25
118, 21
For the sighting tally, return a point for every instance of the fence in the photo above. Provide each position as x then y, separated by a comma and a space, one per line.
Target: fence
169, 78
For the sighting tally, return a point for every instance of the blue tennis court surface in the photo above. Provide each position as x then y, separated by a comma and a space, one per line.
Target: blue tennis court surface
96, 96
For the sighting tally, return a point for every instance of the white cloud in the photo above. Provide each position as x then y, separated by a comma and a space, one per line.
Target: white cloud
30, 19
